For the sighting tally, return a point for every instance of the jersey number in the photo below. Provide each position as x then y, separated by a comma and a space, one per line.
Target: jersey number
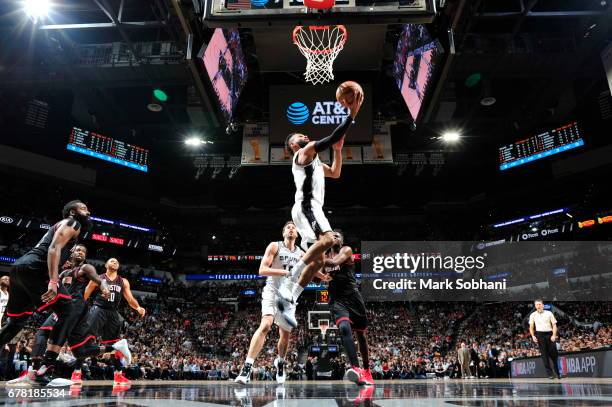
111, 298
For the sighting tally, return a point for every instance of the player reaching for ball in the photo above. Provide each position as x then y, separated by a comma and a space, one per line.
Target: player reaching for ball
309, 176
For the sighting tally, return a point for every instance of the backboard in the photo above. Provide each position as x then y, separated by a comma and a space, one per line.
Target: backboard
315, 316
253, 13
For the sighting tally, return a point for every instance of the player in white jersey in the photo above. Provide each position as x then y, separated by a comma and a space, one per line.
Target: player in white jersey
317, 236
4, 295
276, 264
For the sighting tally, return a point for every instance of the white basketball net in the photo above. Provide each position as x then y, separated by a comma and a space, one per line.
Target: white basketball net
323, 326
320, 45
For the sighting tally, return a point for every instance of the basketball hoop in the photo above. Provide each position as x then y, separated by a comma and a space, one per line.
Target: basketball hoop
324, 326
320, 45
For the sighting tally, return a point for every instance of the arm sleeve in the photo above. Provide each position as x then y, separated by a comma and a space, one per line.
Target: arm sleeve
336, 135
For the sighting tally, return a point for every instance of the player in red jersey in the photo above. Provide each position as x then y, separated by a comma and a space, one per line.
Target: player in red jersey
104, 321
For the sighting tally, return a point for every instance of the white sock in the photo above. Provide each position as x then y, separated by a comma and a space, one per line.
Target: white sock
249, 361
280, 358
297, 270
297, 290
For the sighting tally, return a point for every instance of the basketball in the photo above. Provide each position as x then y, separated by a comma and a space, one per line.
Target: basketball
346, 92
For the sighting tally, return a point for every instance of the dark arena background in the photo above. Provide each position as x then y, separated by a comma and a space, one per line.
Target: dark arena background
485, 129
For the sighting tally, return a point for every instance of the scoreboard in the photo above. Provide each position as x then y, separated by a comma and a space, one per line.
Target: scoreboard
540, 146
108, 149
322, 297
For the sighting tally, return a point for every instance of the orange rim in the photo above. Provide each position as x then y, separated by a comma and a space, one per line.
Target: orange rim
320, 27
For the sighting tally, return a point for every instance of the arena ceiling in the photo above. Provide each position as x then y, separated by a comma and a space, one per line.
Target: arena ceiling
540, 60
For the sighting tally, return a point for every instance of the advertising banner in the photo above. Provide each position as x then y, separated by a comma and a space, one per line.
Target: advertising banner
314, 111
576, 364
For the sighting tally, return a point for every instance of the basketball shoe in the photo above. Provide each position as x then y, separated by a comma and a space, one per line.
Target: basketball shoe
245, 374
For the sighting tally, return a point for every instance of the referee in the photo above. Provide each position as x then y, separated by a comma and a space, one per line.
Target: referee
543, 330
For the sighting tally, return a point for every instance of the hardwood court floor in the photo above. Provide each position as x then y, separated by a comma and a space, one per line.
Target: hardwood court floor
497, 392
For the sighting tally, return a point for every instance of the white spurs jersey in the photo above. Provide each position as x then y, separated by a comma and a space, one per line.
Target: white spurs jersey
4, 297
284, 259
309, 181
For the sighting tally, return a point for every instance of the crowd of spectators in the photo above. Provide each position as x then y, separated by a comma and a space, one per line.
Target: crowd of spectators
179, 339
500, 331
189, 334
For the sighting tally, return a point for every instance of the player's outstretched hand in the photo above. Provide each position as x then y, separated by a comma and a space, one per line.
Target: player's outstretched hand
50, 294
141, 311
326, 278
356, 105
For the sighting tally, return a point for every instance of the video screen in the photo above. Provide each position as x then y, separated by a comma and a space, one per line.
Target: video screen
314, 111
224, 62
416, 60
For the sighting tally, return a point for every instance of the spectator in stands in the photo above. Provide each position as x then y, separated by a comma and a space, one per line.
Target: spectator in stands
22, 358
